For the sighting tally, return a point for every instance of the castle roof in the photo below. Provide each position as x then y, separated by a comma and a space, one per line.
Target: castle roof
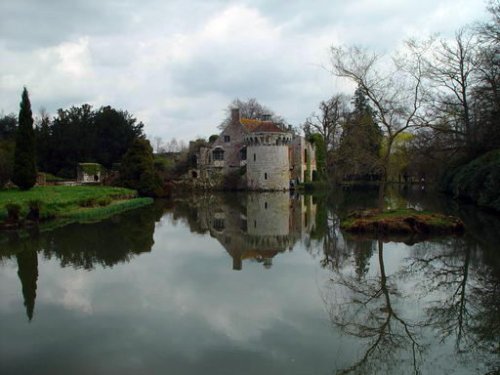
250, 124
260, 126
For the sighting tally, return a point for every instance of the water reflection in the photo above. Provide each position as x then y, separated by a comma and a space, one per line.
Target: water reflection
369, 308
158, 291
106, 244
255, 227
465, 307
446, 288
27, 263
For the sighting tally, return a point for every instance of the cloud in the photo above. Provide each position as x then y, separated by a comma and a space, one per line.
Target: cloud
176, 65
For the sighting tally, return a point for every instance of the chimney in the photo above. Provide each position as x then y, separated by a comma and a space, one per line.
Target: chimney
235, 115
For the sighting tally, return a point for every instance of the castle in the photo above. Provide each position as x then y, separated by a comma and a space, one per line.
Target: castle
267, 156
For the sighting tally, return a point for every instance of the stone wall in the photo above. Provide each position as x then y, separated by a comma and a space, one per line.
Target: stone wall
231, 147
302, 167
268, 167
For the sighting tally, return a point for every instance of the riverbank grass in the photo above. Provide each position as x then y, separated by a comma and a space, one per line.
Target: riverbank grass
70, 203
401, 221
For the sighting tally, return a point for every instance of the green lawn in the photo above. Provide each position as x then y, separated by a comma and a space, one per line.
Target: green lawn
71, 201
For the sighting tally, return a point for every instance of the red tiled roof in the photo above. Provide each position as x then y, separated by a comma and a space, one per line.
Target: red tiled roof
259, 126
267, 127
250, 124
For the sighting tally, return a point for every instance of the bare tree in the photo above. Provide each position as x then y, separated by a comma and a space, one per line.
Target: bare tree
487, 86
451, 69
328, 123
394, 87
172, 145
158, 143
251, 109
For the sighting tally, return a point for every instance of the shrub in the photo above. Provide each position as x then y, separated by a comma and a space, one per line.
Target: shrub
477, 181
13, 211
137, 170
34, 207
104, 201
88, 202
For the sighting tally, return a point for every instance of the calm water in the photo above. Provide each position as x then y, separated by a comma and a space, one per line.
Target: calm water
251, 284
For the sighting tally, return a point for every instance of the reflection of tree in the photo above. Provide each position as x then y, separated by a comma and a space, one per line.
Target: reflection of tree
325, 239
364, 308
27, 263
465, 306
107, 243
83, 246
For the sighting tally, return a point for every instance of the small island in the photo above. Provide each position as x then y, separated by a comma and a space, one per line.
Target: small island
401, 222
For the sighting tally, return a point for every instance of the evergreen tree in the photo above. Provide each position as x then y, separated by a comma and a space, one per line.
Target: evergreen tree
359, 150
24, 171
137, 170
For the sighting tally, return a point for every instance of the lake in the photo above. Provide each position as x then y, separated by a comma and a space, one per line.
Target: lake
252, 284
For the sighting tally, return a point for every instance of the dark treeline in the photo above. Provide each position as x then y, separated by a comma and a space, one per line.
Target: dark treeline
74, 135
83, 134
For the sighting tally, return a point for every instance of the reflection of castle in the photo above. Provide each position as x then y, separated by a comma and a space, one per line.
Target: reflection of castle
260, 227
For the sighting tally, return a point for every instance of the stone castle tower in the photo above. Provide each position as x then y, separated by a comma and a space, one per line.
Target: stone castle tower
268, 160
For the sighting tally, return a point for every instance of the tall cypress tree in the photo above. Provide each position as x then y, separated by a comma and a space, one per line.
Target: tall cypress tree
24, 171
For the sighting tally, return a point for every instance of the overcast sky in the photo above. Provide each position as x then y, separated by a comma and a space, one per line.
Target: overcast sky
177, 64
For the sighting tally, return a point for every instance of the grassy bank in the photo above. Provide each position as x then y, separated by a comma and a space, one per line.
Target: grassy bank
477, 181
70, 203
401, 221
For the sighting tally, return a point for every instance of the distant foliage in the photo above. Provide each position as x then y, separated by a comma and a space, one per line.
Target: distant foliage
8, 127
478, 181
24, 169
137, 170
6, 161
360, 142
82, 134
320, 153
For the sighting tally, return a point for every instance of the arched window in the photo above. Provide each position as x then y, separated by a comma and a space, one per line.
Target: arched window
218, 154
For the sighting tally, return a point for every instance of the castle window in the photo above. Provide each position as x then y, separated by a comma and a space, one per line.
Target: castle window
253, 157
227, 138
218, 224
218, 154
305, 156
265, 205
243, 225
243, 153
265, 176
